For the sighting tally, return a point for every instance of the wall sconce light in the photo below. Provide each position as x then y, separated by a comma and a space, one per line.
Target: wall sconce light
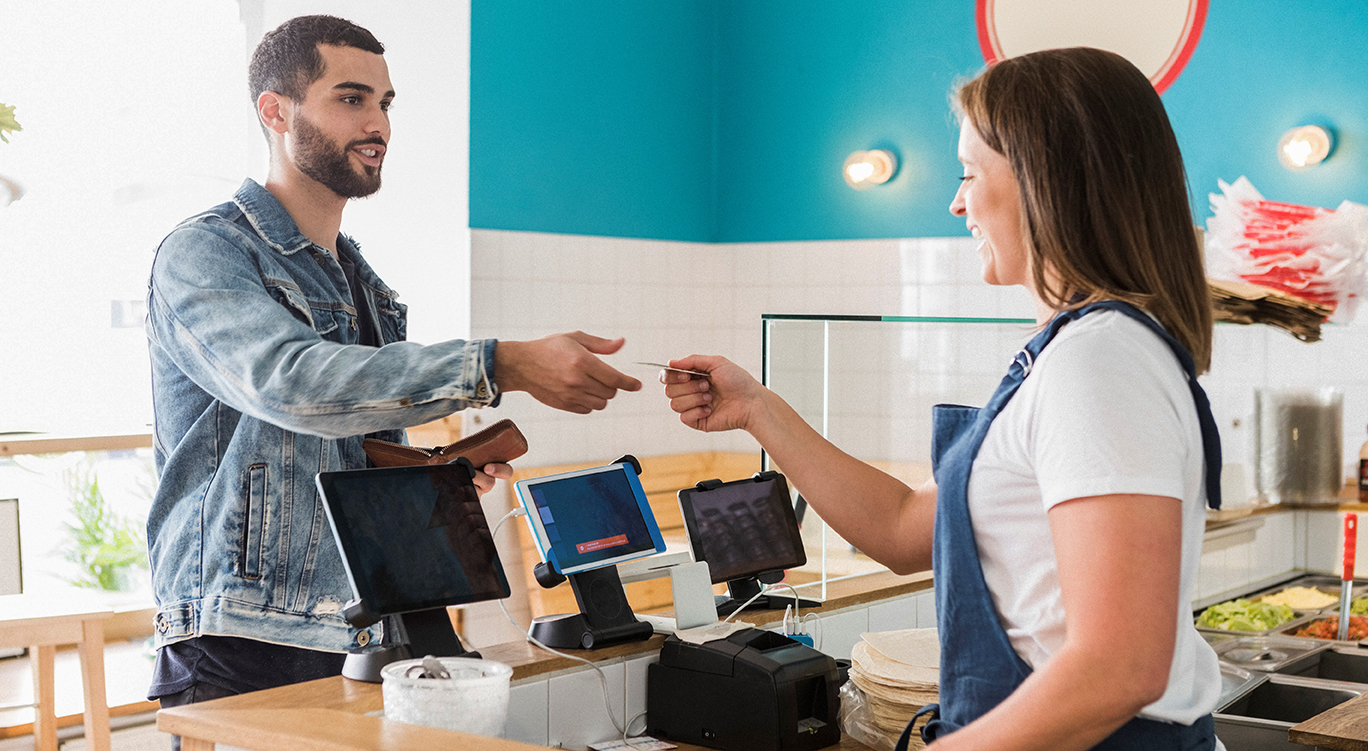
1304, 147
865, 169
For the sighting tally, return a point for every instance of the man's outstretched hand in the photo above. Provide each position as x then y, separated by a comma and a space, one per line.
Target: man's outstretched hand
562, 371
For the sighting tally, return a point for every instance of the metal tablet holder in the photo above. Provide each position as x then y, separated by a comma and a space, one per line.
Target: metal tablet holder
406, 635
604, 616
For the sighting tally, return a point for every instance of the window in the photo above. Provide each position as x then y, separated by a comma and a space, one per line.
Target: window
135, 115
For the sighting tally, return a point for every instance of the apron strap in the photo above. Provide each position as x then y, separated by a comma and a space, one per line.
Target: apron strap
930, 709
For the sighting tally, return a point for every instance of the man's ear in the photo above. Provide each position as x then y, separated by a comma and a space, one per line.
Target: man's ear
275, 111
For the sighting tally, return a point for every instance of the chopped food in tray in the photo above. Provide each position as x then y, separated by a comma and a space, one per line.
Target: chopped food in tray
1302, 598
1359, 607
1243, 615
1328, 628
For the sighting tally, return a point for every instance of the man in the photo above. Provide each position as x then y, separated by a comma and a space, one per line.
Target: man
275, 350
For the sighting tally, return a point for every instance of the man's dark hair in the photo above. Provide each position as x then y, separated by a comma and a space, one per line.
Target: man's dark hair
288, 60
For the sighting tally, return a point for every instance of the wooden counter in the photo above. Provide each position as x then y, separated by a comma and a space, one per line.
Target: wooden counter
19, 444
529, 661
332, 714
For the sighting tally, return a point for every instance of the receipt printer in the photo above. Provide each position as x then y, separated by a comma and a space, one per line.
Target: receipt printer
755, 690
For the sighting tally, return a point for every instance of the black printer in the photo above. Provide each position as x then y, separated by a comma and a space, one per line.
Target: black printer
755, 690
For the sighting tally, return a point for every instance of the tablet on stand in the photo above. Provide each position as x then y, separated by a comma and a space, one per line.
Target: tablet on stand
414, 540
747, 532
585, 523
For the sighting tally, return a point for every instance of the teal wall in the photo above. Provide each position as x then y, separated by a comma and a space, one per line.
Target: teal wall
1262, 67
727, 120
593, 117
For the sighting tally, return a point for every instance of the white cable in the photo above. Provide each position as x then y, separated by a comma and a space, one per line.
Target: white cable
603, 678
820, 632
797, 607
744, 605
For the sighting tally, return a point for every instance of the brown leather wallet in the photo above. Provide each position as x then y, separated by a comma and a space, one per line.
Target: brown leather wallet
500, 443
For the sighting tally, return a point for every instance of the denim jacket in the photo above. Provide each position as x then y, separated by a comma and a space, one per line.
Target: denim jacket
258, 384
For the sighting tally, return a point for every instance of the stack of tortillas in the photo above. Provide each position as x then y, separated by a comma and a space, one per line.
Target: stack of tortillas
899, 672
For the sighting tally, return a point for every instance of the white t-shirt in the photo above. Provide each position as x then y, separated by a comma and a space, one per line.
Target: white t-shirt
1106, 409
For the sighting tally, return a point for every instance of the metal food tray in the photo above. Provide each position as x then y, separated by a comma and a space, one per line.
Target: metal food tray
1260, 716
1267, 653
1323, 582
1216, 637
1289, 628
1236, 682
1302, 616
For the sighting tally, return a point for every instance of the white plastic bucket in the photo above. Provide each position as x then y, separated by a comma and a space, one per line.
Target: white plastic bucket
474, 700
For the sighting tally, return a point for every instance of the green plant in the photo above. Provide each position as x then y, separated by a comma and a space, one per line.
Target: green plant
101, 542
7, 122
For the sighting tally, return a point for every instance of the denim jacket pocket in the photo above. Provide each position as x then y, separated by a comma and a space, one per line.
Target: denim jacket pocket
393, 319
253, 522
323, 317
292, 297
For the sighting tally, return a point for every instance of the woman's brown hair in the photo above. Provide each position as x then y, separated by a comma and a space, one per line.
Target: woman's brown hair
1103, 190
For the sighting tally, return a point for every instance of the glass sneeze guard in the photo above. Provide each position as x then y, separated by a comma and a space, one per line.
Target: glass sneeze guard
867, 384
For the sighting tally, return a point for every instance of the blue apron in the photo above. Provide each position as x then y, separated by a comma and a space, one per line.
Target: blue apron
979, 667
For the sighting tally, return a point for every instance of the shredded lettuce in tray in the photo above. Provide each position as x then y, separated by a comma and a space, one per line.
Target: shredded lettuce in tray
1243, 615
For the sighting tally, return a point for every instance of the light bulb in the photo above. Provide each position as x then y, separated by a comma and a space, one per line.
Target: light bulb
865, 169
860, 171
1305, 147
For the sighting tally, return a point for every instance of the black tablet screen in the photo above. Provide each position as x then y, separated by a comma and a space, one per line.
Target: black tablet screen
744, 528
414, 537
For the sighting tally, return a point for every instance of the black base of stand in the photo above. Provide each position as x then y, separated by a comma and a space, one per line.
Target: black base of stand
741, 590
572, 631
726, 604
605, 617
420, 633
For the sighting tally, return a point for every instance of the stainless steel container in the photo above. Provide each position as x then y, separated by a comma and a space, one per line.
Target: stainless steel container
1299, 439
1267, 653
1260, 718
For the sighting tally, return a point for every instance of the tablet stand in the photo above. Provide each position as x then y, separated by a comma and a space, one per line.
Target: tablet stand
419, 633
740, 590
605, 617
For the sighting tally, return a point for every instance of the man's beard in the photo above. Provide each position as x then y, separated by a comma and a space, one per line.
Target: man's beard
318, 157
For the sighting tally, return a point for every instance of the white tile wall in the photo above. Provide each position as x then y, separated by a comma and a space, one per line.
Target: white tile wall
577, 714
1324, 535
636, 690
527, 713
926, 609
840, 632
894, 615
672, 298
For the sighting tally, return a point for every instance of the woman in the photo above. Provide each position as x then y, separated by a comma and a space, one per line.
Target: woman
1066, 559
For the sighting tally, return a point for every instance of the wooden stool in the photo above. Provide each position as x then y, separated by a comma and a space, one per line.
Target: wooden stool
43, 624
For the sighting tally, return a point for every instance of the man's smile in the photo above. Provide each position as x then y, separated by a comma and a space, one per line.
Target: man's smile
370, 154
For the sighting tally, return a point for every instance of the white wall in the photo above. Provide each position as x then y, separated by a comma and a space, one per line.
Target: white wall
672, 299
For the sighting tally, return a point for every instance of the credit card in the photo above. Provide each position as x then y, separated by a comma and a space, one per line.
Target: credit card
677, 370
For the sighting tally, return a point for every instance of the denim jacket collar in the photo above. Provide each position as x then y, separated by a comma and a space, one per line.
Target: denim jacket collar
279, 230
269, 218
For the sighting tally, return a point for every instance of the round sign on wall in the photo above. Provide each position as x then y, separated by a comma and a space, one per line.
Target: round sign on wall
1158, 36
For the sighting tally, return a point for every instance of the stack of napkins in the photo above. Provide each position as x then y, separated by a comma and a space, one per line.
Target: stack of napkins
899, 672
1237, 302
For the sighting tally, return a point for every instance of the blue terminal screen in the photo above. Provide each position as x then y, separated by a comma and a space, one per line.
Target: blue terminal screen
591, 518
414, 537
